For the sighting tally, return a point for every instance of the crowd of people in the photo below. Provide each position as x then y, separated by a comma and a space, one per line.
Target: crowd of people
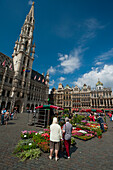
6, 115
57, 135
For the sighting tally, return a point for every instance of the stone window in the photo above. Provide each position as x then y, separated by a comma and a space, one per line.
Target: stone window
6, 79
1, 76
8, 93
24, 84
28, 30
18, 94
26, 43
10, 81
23, 95
28, 63
24, 61
3, 93
20, 82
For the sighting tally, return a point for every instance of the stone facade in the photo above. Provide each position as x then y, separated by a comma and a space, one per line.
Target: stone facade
75, 99
20, 85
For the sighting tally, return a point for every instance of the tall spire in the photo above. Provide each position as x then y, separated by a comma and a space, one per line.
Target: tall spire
24, 49
26, 35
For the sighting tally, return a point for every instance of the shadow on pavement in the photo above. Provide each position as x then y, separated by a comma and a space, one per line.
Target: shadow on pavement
72, 150
11, 123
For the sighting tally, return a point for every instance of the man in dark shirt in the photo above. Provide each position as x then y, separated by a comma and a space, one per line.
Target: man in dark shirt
101, 122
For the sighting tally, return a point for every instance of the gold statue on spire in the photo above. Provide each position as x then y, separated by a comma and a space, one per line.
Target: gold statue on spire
33, 3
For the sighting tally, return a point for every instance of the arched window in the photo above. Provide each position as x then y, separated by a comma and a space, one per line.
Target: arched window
24, 61
26, 43
28, 63
28, 31
30, 19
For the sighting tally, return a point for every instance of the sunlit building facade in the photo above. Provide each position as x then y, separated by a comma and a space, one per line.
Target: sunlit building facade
75, 98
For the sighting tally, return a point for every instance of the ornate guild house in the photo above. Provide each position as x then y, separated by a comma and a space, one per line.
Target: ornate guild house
20, 85
74, 99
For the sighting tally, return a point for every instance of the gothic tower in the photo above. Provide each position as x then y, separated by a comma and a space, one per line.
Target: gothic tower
23, 57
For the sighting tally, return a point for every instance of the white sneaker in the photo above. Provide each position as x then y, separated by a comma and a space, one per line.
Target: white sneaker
56, 159
68, 157
50, 157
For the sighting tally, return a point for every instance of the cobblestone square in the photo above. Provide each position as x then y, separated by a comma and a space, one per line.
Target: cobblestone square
86, 155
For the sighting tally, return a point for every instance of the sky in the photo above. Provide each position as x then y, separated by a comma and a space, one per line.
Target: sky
74, 38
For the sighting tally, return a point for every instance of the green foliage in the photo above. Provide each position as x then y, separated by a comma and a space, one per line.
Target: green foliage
83, 137
88, 118
99, 132
30, 154
25, 145
38, 138
77, 118
73, 141
105, 119
66, 111
44, 146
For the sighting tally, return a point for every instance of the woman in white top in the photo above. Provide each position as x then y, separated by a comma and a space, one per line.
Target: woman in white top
55, 136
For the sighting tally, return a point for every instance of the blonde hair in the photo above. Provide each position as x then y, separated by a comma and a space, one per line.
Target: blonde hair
55, 120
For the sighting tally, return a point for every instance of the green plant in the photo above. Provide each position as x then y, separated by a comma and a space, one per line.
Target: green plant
66, 111
105, 119
44, 146
30, 154
88, 118
72, 141
25, 145
99, 132
38, 138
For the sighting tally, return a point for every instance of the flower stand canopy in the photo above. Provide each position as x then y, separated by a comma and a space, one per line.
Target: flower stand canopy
45, 114
49, 106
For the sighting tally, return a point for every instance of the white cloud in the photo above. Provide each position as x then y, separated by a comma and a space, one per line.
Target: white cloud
52, 70
105, 75
52, 83
62, 78
91, 26
99, 63
106, 55
71, 62
30, 2
62, 57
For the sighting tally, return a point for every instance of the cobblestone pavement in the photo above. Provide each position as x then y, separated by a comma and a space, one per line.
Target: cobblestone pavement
95, 154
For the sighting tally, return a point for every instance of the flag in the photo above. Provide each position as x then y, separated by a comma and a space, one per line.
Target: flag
39, 78
35, 77
27, 71
42, 80
10, 66
46, 82
3, 64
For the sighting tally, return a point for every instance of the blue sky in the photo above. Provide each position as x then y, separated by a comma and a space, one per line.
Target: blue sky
74, 38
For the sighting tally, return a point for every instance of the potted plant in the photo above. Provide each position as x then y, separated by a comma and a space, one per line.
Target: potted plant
73, 141
99, 133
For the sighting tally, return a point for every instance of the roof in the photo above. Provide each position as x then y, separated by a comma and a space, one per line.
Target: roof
38, 76
99, 83
67, 87
8, 60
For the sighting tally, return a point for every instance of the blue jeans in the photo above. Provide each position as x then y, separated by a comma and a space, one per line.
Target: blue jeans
102, 127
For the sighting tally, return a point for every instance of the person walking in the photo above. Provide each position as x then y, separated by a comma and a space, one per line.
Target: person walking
6, 117
55, 137
67, 130
101, 122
